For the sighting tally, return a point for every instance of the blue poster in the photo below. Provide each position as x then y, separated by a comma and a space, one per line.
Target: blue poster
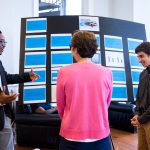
135, 74
36, 25
35, 59
135, 88
41, 80
60, 41
97, 57
54, 74
119, 93
98, 40
119, 75
60, 58
113, 43
34, 94
133, 43
35, 42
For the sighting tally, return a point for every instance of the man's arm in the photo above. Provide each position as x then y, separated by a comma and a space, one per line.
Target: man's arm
21, 78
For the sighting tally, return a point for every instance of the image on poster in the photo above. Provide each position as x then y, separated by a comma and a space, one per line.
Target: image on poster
35, 42
34, 94
119, 75
114, 59
113, 43
41, 80
60, 41
135, 88
97, 57
132, 44
54, 74
36, 25
88, 23
98, 40
61, 58
134, 63
35, 59
119, 92
135, 74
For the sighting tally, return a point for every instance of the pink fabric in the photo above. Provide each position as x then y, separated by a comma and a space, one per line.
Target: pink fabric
83, 97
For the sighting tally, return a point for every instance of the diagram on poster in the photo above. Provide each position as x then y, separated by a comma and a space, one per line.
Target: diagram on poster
114, 59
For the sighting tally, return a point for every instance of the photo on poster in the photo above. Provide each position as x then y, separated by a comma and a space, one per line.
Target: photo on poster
54, 74
132, 44
35, 42
35, 59
113, 43
89, 23
114, 59
41, 80
135, 74
34, 94
36, 25
134, 63
61, 58
119, 75
60, 41
119, 93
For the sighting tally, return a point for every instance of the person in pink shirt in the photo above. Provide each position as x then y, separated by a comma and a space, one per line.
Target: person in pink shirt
83, 96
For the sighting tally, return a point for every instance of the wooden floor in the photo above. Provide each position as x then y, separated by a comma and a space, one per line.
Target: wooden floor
122, 141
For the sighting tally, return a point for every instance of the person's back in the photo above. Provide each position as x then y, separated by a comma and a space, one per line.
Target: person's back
87, 90
83, 95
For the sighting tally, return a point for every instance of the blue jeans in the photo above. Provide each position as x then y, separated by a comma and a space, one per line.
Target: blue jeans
6, 137
103, 144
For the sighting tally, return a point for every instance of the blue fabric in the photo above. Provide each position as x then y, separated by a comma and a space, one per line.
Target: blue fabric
103, 144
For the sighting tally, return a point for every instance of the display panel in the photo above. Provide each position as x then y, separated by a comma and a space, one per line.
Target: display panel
133, 43
35, 42
33, 60
119, 92
118, 75
113, 43
36, 25
60, 41
54, 74
34, 94
114, 59
41, 72
61, 58
135, 74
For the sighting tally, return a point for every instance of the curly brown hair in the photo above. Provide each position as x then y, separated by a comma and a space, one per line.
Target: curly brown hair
85, 42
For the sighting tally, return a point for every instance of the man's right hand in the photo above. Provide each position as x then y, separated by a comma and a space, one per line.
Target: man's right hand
7, 98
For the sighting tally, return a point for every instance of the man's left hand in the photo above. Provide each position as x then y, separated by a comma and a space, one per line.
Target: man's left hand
33, 76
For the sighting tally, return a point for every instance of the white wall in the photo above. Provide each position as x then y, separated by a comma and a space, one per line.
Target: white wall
141, 14
96, 7
130, 10
11, 12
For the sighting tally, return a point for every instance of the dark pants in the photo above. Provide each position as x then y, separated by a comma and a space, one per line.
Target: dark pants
103, 144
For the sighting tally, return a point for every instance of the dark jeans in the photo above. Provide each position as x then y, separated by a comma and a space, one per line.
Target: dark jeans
103, 144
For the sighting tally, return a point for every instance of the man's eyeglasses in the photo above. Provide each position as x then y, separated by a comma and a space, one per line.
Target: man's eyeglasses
3, 42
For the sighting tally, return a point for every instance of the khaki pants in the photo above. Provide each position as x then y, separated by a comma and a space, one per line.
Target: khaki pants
144, 136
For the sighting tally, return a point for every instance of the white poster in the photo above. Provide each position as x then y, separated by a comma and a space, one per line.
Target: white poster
89, 23
114, 59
